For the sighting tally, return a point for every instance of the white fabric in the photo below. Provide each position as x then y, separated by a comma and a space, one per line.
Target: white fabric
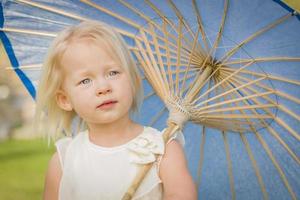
178, 136
62, 144
94, 172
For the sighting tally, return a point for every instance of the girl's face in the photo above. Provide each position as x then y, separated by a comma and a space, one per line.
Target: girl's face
95, 85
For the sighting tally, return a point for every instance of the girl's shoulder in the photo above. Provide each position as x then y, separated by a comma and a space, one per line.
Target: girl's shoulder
152, 134
144, 147
61, 148
149, 147
150, 143
178, 135
64, 143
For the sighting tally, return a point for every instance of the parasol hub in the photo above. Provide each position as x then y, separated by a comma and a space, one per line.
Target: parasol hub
178, 110
198, 84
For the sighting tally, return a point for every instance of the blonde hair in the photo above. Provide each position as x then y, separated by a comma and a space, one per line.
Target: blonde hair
49, 116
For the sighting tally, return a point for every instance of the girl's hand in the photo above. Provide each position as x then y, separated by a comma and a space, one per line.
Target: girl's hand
177, 181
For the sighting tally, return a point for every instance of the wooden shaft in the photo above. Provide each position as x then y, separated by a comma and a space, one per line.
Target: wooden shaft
170, 130
137, 181
198, 84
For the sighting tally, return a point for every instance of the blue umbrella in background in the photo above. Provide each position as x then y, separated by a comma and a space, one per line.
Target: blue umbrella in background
232, 66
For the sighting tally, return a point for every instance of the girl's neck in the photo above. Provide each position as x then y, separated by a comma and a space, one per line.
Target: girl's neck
115, 133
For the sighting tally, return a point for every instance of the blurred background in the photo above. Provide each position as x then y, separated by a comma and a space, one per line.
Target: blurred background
24, 154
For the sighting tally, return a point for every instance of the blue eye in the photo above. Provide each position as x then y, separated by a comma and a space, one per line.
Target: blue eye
85, 81
113, 73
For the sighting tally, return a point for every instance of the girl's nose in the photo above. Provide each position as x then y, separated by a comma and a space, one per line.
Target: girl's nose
103, 91
103, 88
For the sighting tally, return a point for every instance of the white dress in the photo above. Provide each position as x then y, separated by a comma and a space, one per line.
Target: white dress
93, 172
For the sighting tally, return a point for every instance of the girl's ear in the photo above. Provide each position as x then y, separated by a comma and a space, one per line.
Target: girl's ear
63, 101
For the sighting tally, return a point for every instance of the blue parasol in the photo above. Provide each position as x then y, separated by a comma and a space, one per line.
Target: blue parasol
232, 66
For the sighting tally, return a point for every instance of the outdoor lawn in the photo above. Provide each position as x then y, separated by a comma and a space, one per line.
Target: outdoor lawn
23, 164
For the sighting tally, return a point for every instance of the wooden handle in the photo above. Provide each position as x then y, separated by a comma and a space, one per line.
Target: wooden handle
145, 168
137, 181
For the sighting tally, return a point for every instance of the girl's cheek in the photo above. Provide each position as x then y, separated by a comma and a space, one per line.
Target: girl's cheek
89, 91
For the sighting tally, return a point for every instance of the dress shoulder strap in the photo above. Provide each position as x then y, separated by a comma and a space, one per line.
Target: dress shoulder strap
61, 148
178, 136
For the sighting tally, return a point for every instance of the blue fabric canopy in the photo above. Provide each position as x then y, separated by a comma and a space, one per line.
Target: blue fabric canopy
259, 163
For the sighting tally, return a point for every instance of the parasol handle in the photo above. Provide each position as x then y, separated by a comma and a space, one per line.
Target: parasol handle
172, 128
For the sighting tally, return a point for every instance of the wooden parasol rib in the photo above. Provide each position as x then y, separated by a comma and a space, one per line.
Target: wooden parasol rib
266, 148
281, 107
250, 154
256, 34
281, 122
61, 12
275, 134
266, 59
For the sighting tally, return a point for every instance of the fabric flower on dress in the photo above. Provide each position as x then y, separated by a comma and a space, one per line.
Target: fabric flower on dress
144, 148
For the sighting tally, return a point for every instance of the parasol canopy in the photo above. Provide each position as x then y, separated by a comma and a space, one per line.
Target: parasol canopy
231, 68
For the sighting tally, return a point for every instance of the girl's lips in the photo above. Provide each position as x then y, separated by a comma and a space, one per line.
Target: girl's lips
107, 104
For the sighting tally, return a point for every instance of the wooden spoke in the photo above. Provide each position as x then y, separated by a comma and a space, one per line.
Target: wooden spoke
225, 79
185, 24
272, 158
154, 65
277, 78
181, 80
251, 37
152, 22
255, 167
31, 32
287, 96
282, 175
235, 95
222, 124
162, 16
238, 116
27, 67
232, 90
51, 9
235, 100
277, 166
200, 24
236, 108
281, 107
173, 56
129, 22
190, 60
216, 43
246, 144
200, 164
145, 62
158, 115
168, 57
278, 120
63, 13
229, 163
266, 59
281, 141
161, 65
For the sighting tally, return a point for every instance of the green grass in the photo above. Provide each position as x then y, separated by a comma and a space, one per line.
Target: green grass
23, 164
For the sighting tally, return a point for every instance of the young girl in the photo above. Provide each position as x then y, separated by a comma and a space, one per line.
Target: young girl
89, 73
